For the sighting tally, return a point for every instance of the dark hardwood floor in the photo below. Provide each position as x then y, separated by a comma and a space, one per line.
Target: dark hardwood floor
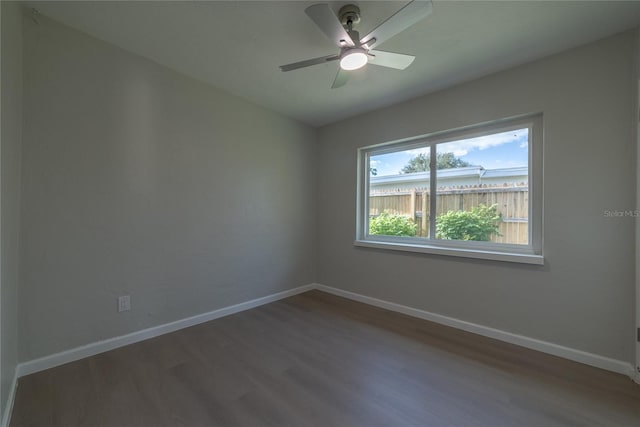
319, 360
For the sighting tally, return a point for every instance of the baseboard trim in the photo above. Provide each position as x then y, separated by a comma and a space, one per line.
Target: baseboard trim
92, 349
6, 416
591, 359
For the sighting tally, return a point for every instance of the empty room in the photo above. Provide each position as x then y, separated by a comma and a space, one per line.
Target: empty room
307, 213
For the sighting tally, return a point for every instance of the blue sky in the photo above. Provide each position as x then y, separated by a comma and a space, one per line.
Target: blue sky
500, 150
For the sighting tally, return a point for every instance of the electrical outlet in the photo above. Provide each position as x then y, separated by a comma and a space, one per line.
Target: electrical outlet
124, 303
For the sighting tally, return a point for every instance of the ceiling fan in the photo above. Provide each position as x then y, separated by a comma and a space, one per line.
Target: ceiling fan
356, 52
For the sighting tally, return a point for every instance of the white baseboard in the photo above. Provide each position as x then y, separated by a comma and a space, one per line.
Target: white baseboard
591, 359
8, 409
92, 349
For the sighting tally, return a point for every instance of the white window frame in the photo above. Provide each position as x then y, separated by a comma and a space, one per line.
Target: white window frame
532, 253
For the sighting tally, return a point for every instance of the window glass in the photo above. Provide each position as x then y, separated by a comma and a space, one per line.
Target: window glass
482, 188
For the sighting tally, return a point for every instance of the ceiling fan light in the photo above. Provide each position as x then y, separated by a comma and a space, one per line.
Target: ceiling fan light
353, 59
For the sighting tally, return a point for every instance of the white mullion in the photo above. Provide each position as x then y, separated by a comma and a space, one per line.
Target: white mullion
432, 191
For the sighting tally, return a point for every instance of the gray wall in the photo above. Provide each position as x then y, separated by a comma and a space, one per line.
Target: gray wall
11, 124
138, 180
583, 296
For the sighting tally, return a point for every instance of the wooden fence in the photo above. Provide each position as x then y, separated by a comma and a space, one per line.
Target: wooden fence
512, 202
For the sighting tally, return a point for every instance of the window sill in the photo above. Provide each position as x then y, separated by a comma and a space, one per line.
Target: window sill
457, 252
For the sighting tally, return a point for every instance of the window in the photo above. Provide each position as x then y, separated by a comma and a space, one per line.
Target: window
474, 192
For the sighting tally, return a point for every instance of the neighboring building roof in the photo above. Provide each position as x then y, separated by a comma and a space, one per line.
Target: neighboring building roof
472, 175
497, 173
424, 176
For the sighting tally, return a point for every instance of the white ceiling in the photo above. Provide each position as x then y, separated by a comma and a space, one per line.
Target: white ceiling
238, 45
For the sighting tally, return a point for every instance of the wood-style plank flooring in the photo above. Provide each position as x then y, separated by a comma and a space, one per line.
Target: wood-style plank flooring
319, 360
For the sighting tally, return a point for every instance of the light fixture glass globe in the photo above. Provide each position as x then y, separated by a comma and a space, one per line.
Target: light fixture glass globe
353, 59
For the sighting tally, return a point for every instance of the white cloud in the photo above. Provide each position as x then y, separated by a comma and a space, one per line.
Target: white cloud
462, 147
421, 150
374, 162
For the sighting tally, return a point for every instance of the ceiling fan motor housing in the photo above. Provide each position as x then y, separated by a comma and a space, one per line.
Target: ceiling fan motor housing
349, 13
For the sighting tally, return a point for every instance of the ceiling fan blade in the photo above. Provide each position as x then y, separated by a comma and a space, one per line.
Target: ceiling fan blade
399, 61
329, 23
400, 21
309, 62
341, 79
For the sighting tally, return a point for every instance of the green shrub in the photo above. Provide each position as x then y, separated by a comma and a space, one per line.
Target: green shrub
392, 225
477, 224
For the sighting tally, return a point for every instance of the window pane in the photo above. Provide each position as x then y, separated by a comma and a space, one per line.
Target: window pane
482, 188
398, 197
